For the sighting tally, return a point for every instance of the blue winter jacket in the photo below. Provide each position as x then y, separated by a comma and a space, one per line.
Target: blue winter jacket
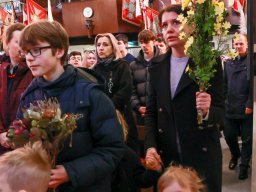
97, 141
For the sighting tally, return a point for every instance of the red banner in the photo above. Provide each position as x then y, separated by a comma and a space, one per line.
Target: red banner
151, 20
238, 4
3, 15
129, 12
33, 12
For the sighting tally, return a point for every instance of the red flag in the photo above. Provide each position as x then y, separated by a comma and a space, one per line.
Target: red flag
151, 20
3, 15
34, 11
129, 12
238, 4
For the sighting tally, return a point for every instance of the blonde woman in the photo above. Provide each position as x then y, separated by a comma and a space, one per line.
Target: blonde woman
116, 72
89, 59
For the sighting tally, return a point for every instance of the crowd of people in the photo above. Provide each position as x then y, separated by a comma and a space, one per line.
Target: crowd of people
151, 90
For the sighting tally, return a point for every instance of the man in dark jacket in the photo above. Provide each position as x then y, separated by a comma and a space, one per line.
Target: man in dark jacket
97, 145
122, 42
171, 127
238, 116
140, 76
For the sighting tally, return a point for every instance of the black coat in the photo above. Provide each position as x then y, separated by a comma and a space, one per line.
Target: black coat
237, 88
97, 144
140, 78
170, 119
117, 74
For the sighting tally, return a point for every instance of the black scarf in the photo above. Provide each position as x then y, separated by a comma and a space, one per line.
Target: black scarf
106, 61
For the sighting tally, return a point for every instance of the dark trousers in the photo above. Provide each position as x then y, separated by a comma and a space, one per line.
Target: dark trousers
234, 127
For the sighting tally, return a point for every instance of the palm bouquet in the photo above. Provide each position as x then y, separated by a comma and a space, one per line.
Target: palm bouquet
42, 121
205, 20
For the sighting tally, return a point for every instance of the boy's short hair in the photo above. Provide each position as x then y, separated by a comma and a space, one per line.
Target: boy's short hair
185, 177
122, 37
146, 36
45, 31
9, 31
26, 168
74, 53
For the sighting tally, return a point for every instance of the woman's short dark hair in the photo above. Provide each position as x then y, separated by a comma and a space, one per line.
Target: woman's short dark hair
172, 8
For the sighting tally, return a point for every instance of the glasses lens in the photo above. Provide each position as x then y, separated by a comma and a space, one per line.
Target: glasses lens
35, 52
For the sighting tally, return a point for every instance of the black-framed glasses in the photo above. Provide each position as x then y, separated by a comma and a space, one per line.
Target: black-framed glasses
36, 51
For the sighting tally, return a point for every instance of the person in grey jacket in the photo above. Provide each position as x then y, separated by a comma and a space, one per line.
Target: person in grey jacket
97, 146
239, 107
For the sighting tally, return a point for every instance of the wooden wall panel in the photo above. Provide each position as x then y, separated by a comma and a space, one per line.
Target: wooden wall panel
106, 18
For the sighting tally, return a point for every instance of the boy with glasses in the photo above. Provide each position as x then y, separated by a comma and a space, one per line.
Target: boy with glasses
97, 141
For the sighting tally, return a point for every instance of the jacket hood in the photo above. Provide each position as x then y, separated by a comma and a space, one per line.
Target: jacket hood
140, 57
53, 88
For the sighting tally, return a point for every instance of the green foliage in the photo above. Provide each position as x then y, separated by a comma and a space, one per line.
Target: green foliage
206, 21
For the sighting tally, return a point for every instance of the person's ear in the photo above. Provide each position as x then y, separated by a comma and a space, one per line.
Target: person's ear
59, 53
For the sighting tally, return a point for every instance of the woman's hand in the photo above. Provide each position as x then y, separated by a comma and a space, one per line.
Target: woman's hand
203, 102
248, 111
153, 160
58, 176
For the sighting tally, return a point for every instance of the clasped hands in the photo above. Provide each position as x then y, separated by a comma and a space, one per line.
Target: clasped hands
153, 160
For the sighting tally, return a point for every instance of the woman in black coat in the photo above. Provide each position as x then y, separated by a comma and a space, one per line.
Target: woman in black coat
118, 81
171, 127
